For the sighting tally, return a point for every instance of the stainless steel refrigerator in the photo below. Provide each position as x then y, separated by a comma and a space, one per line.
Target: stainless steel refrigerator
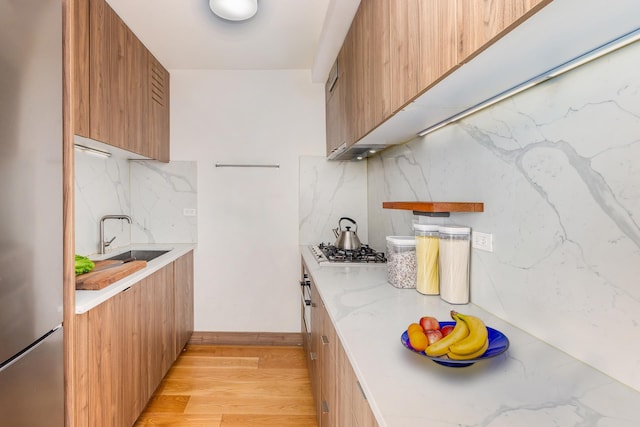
31, 352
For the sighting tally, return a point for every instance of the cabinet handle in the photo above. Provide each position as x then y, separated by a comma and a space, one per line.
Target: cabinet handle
325, 340
361, 390
313, 355
325, 407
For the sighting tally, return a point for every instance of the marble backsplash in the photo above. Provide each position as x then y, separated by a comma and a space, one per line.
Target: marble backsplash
154, 194
558, 169
330, 190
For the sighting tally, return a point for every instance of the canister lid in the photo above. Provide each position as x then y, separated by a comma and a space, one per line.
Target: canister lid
454, 229
426, 227
402, 240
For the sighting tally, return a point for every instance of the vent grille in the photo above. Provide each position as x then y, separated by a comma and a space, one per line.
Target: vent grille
158, 85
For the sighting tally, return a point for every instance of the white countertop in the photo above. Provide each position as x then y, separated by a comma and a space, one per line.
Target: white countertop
532, 384
86, 300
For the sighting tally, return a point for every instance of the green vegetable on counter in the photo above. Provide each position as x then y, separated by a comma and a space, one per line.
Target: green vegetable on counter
83, 265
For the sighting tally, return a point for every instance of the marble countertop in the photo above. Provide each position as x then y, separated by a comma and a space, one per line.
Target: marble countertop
86, 300
532, 384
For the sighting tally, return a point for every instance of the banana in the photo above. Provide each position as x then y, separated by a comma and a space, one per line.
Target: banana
477, 354
441, 347
477, 338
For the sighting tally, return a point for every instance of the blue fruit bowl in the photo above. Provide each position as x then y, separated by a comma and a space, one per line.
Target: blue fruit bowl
498, 344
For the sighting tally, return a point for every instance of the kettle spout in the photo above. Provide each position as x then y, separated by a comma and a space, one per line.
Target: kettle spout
336, 231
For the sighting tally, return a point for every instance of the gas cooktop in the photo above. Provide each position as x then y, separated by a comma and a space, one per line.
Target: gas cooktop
327, 254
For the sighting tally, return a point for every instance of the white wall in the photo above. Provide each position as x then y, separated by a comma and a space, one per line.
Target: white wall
558, 168
247, 262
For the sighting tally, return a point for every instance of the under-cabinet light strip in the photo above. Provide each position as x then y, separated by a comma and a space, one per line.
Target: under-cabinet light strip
596, 53
93, 151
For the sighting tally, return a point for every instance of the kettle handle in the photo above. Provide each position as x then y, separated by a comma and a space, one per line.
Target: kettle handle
348, 219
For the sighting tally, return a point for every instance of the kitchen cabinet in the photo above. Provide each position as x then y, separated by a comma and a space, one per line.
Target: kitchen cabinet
360, 98
126, 345
184, 300
339, 400
398, 50
121, 91
481, 22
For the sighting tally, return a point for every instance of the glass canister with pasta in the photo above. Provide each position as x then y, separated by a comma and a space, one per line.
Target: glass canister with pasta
427, 248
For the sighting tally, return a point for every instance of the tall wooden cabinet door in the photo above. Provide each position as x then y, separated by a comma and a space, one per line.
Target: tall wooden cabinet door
136, 86
158, 327
438, 41
379, 83
316, 332
133, 400
183, 300
404, 53
80, 55
328, 355
104, 336
158, 109
117, 81
347, 73
345, 377
334, 116
361, 78
99, 70
482, 22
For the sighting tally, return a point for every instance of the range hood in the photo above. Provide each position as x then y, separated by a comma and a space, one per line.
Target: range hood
563, 31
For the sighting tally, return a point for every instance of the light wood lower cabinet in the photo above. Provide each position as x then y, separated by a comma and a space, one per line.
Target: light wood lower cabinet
126, 345
183, 301
340, 402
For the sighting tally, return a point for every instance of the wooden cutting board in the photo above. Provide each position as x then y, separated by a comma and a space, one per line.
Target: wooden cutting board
96, 280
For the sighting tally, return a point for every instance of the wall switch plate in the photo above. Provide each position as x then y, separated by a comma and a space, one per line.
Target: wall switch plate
189, 212
482, 241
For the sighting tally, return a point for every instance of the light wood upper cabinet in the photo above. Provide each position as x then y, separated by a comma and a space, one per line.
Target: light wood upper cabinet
423, 47
404, 51
360, 99
121, 92
396, 50
438, 38
481, 22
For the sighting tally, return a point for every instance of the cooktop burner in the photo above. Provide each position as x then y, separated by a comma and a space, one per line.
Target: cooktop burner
331, 254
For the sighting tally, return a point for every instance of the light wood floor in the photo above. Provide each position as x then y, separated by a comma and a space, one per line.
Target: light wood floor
234, 386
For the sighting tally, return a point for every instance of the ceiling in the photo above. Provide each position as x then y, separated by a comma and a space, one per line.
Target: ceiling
284, 34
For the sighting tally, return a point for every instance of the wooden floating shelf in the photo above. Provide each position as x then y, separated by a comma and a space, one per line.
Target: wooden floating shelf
435, 208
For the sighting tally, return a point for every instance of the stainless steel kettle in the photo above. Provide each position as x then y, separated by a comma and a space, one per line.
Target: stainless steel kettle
347, 239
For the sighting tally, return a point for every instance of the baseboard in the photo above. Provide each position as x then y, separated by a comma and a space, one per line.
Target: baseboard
246, 338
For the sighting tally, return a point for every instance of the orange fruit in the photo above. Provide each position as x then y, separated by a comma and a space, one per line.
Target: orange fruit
418, 340
414, 327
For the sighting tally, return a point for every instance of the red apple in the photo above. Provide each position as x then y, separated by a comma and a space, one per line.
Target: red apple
446, 330
433, 335
428, 322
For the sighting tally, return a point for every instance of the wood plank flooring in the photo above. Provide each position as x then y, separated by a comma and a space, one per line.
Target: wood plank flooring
234, 386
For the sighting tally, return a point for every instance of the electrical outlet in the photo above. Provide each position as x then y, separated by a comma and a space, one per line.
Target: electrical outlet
189, 212
482, 241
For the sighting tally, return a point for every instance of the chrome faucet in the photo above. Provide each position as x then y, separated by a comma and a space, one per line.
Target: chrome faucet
104, 244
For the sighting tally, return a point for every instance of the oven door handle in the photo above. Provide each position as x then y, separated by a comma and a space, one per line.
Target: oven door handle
307, 283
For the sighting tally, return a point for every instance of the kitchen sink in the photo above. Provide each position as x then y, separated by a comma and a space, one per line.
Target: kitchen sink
142, 255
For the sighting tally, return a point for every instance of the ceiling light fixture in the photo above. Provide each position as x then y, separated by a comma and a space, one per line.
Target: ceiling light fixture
234, 10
